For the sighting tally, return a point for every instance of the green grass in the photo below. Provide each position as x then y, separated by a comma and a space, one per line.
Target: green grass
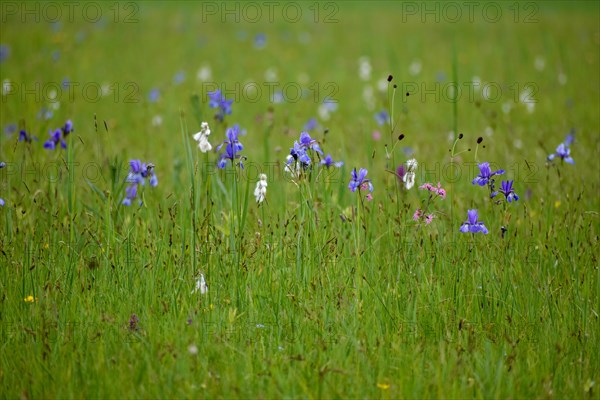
303, 301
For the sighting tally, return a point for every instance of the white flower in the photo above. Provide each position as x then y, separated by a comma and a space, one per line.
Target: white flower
409, 175
271, 75
157, 120
261, 188
415, 68
7, 87
204, 73
364, 70
562, 79
294, 172
202, 138
201, 285
193, 349
540, 63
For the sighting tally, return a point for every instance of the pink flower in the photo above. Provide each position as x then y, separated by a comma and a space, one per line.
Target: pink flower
417, 214
376, 135
369, 197
429, 218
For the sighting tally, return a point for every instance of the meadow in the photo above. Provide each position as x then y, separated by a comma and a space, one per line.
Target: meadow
138, 259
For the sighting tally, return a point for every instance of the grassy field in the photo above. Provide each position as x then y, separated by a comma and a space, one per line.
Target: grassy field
317, 291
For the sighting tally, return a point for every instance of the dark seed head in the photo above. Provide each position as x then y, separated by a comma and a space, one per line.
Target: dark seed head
395, 86
401, 136
460, 136
479, 139
390, 78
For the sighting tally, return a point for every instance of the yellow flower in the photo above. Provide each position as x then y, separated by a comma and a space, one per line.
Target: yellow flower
29, 299
383, 386
557, 204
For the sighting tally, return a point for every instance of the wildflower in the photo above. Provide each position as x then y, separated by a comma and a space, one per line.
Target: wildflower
55, 139
507, 190
137, 176
202, 138
485, 174
25, 137
311, 124
328, 162
383, 386
409, 176
563, 151
10, 129
261, 188
217, 100
67, 128
369, 197
439, 191
328, 106
400, 172
382, 117
364, 70
417, 215
472, 224
179, 77
4, 52
429, 218
29, 299
359, 181
295, 172
204, 73
308, 142
154, 95
299, 153
133, 323
130, 194
140, 171
233, 146
260, 40
193, 349
201, 285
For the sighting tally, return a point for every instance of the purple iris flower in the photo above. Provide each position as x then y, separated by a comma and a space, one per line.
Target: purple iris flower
307, 141
298, 153
472, 224
4, 52
563, 151
382, 117
232, 147
67, 128
217, 100
55, 139
485, 174
328, 162
359, 181
507, 190
138, 172
260, 40
570, 138
10, 129
130, 194
154, 95
25, 137
311, 124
